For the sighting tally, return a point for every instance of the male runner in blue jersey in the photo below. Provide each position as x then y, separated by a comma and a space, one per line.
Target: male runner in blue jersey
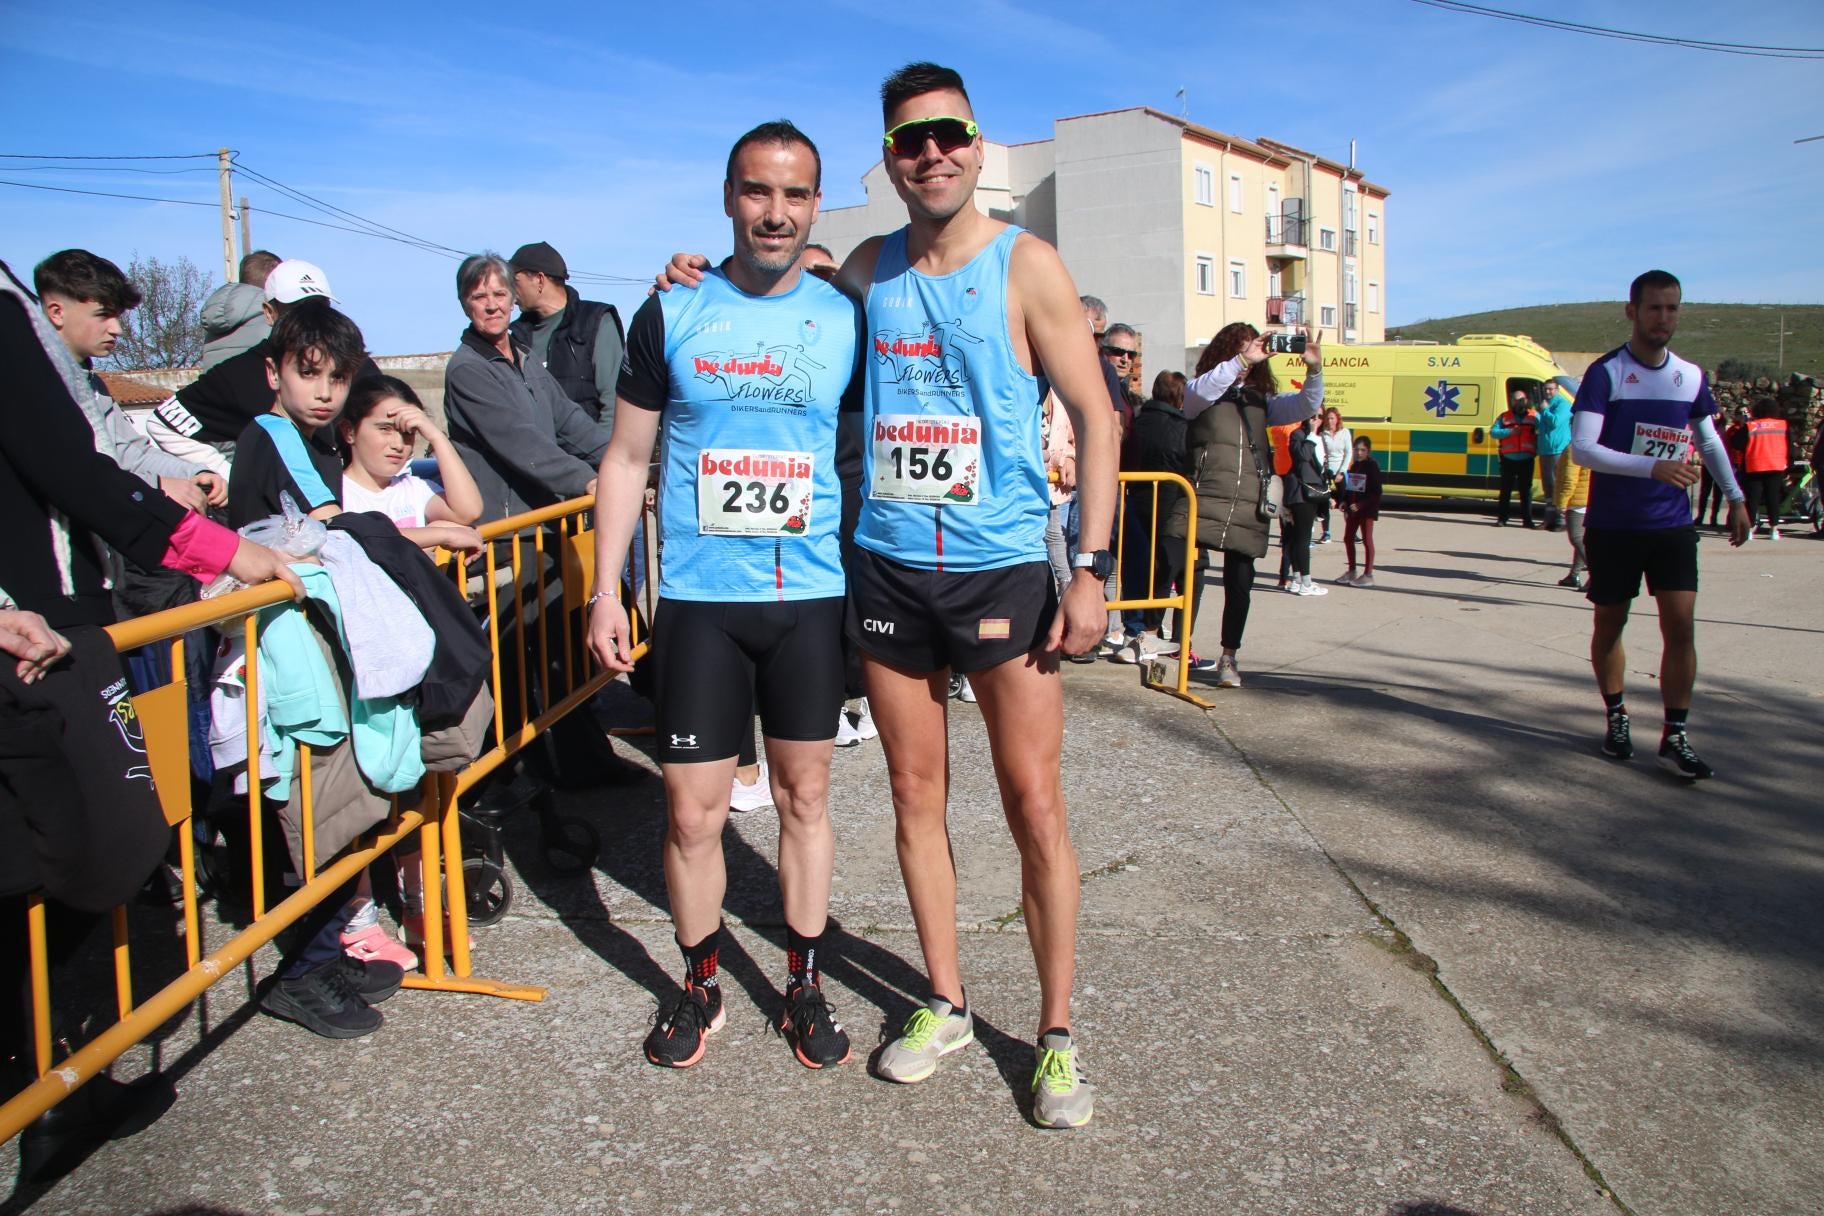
1639, 411
746, 377
962, 311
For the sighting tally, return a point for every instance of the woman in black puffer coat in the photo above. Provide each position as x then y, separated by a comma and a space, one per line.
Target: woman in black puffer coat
1229, 405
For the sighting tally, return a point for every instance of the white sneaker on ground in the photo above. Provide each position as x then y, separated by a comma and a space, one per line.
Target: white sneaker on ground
864, 721
1311, 588
755, 797
959, 688
1228, 672
846, 734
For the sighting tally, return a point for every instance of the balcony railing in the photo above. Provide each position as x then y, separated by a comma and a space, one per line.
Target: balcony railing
1286, 310
1348, 243
1285, 230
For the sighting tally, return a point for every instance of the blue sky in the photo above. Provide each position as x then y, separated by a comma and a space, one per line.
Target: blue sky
1527, 166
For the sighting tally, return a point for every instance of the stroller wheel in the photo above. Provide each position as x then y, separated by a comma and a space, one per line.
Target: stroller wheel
570, 845
489, 890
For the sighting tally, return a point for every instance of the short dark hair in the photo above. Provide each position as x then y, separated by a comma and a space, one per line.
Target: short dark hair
1168, 386
820, 248
313, 324
1653, 280
1764, 407
915, 80
81, 275
779, 131
1366, 441
363, 395
257, 265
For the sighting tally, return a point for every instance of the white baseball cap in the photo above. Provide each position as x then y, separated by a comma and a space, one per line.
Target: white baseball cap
294, 279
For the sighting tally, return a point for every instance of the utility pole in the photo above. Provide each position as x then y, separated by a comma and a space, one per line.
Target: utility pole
246, 229
226, 175
1782, 343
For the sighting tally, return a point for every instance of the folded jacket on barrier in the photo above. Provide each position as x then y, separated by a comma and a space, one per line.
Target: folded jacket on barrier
460, 658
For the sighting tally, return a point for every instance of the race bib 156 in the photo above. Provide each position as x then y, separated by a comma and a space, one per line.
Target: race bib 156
920, 458
1661, 442
741, 492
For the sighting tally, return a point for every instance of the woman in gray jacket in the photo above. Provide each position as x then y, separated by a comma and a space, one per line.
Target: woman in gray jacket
1230, 403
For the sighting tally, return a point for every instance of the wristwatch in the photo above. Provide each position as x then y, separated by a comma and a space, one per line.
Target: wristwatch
1100, 563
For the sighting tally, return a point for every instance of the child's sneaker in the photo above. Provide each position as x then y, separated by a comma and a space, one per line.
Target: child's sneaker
372, 945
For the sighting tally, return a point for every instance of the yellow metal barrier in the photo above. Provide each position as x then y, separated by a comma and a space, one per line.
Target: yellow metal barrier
1151, 674
433, 820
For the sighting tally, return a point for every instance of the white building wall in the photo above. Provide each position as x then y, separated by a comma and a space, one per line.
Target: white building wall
1120, 223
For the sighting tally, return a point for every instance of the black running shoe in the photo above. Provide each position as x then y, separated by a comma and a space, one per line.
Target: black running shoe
1617, 744
1676, 755
372, 979
323, 1002
677, 1038
810, 1026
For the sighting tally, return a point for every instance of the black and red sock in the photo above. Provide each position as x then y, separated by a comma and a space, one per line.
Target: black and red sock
803, 957
701, 961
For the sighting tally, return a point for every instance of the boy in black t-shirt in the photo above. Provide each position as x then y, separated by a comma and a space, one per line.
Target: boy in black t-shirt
312, 354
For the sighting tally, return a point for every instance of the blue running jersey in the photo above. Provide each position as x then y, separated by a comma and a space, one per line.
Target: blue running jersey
750, 508
1648, 411
953, 467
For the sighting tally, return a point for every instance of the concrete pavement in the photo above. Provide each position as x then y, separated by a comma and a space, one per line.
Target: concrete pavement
1409, 764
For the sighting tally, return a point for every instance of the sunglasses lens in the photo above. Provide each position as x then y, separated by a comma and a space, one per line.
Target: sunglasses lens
949, 134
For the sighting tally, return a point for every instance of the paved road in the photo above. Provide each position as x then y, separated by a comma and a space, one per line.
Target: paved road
1408, 764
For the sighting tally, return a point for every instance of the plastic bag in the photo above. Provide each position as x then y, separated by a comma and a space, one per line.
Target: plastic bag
293, 534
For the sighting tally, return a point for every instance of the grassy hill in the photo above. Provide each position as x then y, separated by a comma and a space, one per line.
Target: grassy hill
1707, 333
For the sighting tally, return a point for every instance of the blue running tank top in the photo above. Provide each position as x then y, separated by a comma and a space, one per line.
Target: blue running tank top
953, 466
749, 387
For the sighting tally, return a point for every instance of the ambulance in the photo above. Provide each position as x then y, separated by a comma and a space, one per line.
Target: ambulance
1430, 409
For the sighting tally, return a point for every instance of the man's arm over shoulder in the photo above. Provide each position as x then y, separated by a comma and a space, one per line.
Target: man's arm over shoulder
858, 269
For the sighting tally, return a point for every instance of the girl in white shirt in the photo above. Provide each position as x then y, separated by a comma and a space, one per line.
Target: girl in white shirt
377, 431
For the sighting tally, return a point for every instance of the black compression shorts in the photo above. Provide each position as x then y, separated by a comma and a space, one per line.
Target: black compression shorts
927, 620
711, 660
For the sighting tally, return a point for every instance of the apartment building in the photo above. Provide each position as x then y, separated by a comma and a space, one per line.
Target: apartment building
1179, 227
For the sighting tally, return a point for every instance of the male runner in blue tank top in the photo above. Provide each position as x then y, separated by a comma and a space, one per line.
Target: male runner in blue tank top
952, 574
744, 380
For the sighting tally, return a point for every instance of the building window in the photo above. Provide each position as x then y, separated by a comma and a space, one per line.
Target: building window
1273, 200
1374, 228
1238, 279
1349, 210
1374, 296
1326, 239
1326, 317
1206, 275
1237, 203
1203, 184
1349, 287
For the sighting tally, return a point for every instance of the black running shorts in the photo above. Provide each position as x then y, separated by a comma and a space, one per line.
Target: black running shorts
1618, 558
713, 661
927, 620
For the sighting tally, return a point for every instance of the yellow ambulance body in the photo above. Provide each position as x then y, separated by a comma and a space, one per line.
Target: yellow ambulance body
1429, 409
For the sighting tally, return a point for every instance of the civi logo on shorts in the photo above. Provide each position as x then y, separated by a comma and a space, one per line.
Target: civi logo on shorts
870, 625
687, 742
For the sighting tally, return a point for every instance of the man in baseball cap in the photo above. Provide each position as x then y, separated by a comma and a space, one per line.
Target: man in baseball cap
580, 342
295, 279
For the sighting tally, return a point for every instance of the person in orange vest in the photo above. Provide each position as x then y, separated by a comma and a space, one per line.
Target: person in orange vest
1765, 455
1517, 431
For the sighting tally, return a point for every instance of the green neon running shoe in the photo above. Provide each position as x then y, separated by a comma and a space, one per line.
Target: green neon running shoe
931, 1033
1061, 1095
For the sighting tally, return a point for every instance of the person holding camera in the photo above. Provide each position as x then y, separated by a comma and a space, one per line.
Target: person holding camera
1228, 406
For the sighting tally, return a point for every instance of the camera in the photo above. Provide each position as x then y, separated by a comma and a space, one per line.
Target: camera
1286, 344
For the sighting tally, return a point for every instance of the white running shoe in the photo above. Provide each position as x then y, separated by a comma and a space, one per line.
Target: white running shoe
755, 797
1311, 588
963, 692
846, 734
864, 721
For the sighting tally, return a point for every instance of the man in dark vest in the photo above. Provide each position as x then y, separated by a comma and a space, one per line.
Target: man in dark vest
580, 342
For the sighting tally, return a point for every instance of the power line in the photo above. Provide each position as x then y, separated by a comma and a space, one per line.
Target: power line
183, 156
1753, 50
105, 169
340, 219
